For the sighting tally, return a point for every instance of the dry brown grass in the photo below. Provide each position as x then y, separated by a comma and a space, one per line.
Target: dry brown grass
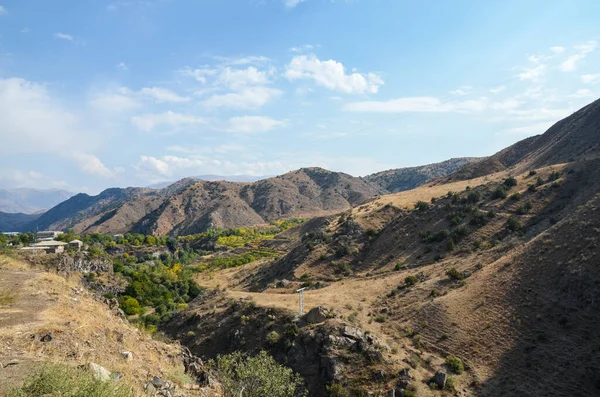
7, 298
84, 330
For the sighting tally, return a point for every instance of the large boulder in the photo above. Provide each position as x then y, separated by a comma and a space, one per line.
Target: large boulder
316, 315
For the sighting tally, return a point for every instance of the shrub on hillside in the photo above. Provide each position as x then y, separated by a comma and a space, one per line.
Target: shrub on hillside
455, 274
455, 364
515, 196
510, 181
513, 224
336, 390
474, 197
129, 305
421, 205
257, 376
499, 193
554, 176
66, 381
531, 188
409, 281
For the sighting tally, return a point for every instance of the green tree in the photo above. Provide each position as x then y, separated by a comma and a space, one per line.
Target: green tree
257, 376
130, 305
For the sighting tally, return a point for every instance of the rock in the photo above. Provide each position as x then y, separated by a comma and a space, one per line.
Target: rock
151, 390
316, 315
392, 393
157, 382
205, 380
440, 379
339, 341
127, 355
99, 372
379, 375
405, 373
353, 333
47, 338
116, 376
283, 283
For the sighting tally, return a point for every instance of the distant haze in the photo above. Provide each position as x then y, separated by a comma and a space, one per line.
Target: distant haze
29, 201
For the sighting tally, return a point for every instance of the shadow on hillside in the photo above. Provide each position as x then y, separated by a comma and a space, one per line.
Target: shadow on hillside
555, 299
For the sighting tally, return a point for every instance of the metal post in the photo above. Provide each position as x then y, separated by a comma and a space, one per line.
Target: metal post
301, 298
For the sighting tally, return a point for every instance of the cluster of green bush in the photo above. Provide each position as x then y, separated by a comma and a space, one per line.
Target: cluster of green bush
240, 236
166, 288
227, 262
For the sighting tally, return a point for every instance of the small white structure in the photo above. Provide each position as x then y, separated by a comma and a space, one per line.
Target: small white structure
77, 244
47, 235
301, 296
50, 247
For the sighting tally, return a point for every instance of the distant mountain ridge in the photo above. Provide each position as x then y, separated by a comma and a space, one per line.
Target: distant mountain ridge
29, 201
401, 179
191, 205
212, 177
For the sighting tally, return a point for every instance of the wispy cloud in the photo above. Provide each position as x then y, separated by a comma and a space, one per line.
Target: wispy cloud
570, 64
3, 10
591, 78
249, 124
64, 36
292, 3
122, 66
173, 120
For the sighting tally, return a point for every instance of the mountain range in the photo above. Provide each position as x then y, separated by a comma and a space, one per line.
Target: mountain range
29, 201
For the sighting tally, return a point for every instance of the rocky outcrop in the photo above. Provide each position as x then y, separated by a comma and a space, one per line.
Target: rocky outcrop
83, 264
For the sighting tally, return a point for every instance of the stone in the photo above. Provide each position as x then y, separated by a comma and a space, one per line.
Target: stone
440, 379
316, 315
353, 333
205, 380
150, 390
157, 382
405, 373
116, 376
99, 372
47, 338
127, 355
339, 341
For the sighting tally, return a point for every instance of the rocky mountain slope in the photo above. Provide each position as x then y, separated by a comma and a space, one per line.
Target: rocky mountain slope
498, 271
191, 206
398, 180
29, 201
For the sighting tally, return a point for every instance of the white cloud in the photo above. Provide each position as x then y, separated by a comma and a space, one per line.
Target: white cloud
590, 78
32, 122
200, 74
557, 49
64, 36
162, 95
332, 75
246, 98
2, 10
570, 64
532, 73
148, 122
461, 91
248, 124
292, 3
115, 101
417, 104
153, 165
237, 78
497, 90
541, 113
582, 93
91, 164
302, 48
122, 66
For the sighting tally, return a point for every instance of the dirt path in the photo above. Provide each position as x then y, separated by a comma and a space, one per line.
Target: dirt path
19, 313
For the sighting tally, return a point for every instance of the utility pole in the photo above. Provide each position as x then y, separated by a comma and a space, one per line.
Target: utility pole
301, 296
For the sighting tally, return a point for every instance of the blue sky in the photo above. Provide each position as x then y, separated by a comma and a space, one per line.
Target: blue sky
99, 93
